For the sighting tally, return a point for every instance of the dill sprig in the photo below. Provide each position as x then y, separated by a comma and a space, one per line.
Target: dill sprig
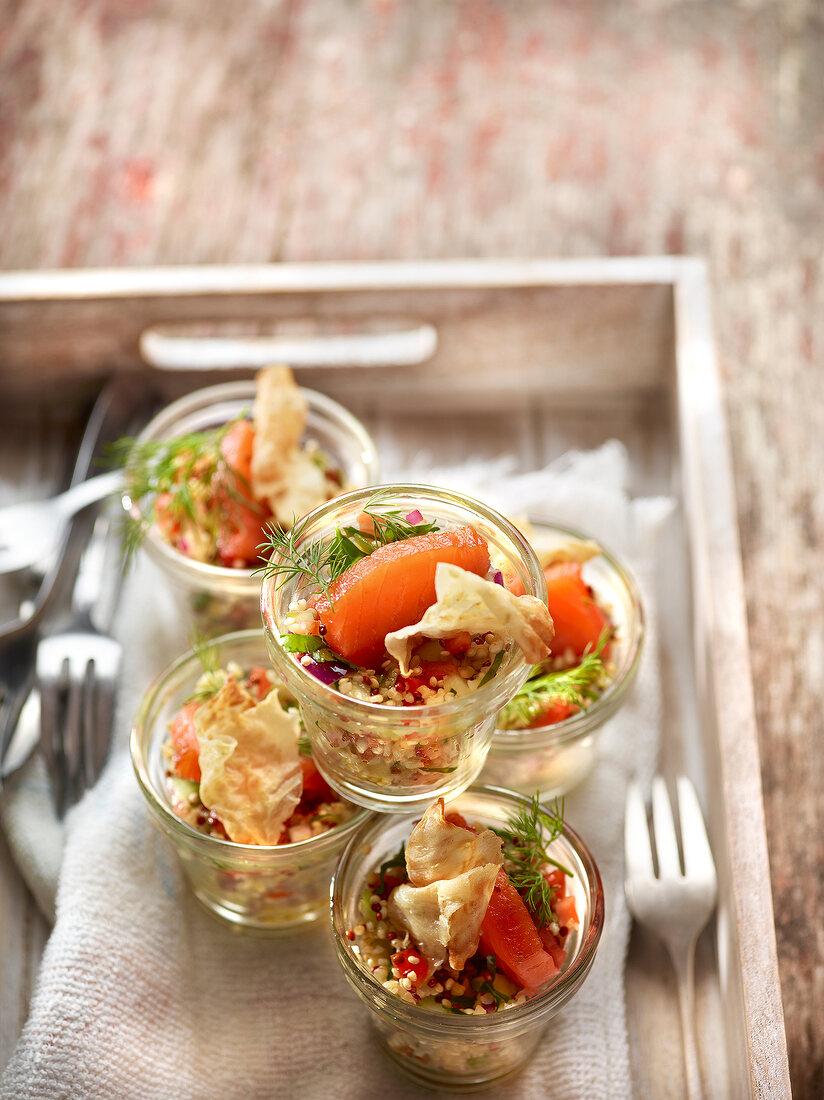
289, 560
323, 563
526, 838
185, 470
213, 676
577, 685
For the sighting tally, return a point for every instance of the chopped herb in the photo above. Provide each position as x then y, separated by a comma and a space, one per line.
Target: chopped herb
488, 987
213, 677
322, 563
526, 837
398, 860
301, 643
185, 470
493, 668
288, 560
575, 685
444, 771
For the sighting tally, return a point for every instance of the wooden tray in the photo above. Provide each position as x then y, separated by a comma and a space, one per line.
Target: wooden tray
542, 356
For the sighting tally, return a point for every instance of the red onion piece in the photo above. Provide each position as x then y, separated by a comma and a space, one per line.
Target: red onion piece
326, 673
415, 518
499, 578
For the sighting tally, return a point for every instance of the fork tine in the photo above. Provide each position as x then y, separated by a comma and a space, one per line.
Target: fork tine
72, 747
666, 842
98, 719
637, 850
86, 770
49, 740
698, 861
104, 725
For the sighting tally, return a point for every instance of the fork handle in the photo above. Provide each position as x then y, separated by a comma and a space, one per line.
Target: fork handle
87, 492
684, 964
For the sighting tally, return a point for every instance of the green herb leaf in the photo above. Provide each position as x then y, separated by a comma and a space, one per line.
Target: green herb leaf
186, 471
398, 860
301, 643
213, 677
577, 685
500, 998
493, 668
526, 837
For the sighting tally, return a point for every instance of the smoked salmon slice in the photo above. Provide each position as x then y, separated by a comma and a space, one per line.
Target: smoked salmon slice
392, 588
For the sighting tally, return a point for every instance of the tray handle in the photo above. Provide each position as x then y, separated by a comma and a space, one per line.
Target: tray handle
176, 352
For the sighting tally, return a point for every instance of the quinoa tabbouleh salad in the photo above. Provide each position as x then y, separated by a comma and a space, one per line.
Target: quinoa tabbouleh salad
210, 494
237, 767
395, 627
467, 919
402, 612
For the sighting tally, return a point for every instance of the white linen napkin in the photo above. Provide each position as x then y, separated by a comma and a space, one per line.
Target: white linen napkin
142, 994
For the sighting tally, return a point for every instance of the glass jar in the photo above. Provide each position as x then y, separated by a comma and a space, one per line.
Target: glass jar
398, 758
556, 757
438, 1048
274, 888
214, 599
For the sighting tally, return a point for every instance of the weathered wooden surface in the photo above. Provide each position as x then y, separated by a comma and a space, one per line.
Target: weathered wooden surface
136, 132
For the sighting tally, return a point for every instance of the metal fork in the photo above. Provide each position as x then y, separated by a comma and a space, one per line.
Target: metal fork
31, 530
675, 904
17, 651
77, 671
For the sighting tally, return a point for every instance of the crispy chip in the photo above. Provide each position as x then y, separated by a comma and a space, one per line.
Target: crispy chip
554, 547
468, 602
451, 871
250, 767
437, 849
304, 485
279, 416
445, 917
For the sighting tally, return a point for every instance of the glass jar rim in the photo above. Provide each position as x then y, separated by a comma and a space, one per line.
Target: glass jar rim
141, 733
498, 685
161, 550
437, 1023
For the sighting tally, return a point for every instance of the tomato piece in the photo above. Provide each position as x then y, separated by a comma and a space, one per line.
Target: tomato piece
391, 588
186, 750
438, 669
566, 912
259, 681
557, 880
243, 532
237, 447
579, 621
406, 968
167, 523
454, 818
508, 933
556, 711
459, 644
315, 787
